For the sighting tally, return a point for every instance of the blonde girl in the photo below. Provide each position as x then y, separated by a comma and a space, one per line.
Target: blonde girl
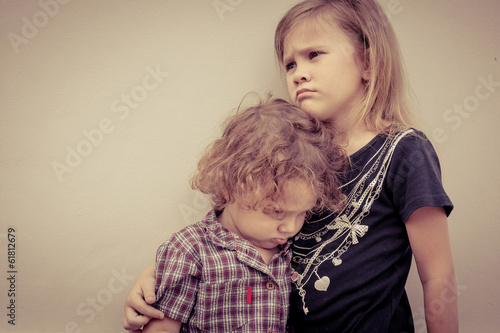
342, 64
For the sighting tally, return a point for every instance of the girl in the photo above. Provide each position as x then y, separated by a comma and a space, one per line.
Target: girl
342, 65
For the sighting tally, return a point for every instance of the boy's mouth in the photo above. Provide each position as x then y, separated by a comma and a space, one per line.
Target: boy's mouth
280, 241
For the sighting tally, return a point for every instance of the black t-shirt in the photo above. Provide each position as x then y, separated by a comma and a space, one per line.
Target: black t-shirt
350, 268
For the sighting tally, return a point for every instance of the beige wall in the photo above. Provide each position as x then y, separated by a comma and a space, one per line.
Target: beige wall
105, 107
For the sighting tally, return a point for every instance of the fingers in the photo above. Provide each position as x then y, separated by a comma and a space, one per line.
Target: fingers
149, 293
138, 312
135, 306
153, 313
134, 321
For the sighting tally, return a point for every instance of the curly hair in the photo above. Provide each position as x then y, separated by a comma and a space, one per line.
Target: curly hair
265, 146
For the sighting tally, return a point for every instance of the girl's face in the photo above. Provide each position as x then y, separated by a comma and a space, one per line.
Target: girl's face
324, 71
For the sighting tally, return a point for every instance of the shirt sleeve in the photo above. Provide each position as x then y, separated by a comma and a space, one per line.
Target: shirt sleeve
178, 272
415, 176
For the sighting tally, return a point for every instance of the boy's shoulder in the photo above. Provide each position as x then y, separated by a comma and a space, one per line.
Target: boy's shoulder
195, 231
189, 242
202, 233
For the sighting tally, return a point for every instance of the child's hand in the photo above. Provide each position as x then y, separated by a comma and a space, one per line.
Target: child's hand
137, 310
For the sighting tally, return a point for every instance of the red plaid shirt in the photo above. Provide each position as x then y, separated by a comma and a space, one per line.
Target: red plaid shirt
214, 281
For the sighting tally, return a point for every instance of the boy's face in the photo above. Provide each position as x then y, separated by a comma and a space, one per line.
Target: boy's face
323, 71
271, 224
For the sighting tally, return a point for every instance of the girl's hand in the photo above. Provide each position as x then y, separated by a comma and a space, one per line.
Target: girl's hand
138, 312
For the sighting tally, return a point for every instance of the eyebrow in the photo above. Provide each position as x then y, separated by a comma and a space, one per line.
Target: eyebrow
305, 50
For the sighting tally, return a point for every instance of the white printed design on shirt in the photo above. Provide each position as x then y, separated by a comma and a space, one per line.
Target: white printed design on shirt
347, 224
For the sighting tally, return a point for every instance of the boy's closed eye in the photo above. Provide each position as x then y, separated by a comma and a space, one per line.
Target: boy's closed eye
280, 214
275, 213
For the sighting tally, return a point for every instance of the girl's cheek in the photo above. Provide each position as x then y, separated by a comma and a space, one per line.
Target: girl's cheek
290, 89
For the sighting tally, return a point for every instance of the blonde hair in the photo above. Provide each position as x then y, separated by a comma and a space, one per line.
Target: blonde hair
387, 93
265, 146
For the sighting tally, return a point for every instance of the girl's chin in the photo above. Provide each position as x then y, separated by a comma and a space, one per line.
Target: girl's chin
308, 106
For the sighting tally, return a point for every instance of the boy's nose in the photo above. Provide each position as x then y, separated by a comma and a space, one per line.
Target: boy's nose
287, 225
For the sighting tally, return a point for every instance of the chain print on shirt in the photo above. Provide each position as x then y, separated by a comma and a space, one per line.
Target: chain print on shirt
347, 223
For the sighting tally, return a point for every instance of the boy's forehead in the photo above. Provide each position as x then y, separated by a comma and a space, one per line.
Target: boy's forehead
298, 190
294, 193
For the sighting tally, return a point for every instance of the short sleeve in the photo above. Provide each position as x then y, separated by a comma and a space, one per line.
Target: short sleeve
414, 176
178, 273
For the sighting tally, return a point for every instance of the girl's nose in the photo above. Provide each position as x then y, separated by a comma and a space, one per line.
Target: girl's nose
301, 75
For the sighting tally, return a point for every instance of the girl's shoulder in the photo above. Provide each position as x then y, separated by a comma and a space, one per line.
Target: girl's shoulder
390, 139
403, 132
410, 140
406, 143
413, 153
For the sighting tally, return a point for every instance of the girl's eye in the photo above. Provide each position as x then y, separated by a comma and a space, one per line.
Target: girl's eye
289, 66
314, 54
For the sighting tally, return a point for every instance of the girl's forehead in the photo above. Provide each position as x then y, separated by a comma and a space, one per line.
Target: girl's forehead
308, 28
311, 32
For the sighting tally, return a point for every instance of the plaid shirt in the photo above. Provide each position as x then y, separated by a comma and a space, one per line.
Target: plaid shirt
213, 281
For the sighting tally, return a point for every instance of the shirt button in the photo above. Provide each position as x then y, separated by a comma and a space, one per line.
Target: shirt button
270, 331
270, 286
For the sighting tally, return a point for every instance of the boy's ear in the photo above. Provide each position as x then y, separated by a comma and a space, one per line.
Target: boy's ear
226, 197
229, 198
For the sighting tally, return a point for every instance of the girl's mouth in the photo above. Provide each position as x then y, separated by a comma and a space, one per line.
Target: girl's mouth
302, 93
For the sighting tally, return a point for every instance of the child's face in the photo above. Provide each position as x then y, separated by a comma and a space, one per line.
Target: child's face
324, 71
262, 228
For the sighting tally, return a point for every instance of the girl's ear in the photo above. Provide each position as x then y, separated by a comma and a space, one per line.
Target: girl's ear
366, 65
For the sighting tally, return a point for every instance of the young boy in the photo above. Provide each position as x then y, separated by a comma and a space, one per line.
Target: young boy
273, 165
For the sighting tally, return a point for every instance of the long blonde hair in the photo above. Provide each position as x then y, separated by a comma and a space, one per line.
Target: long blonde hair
386, 98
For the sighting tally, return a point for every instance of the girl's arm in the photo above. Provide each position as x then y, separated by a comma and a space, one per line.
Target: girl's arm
427, 229
137, 310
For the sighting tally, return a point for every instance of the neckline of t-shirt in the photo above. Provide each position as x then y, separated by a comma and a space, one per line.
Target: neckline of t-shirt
365, 147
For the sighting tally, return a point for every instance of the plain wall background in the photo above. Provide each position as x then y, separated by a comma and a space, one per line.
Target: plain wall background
75, 78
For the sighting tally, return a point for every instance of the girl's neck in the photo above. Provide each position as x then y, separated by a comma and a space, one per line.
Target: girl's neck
354, 137
358, 141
